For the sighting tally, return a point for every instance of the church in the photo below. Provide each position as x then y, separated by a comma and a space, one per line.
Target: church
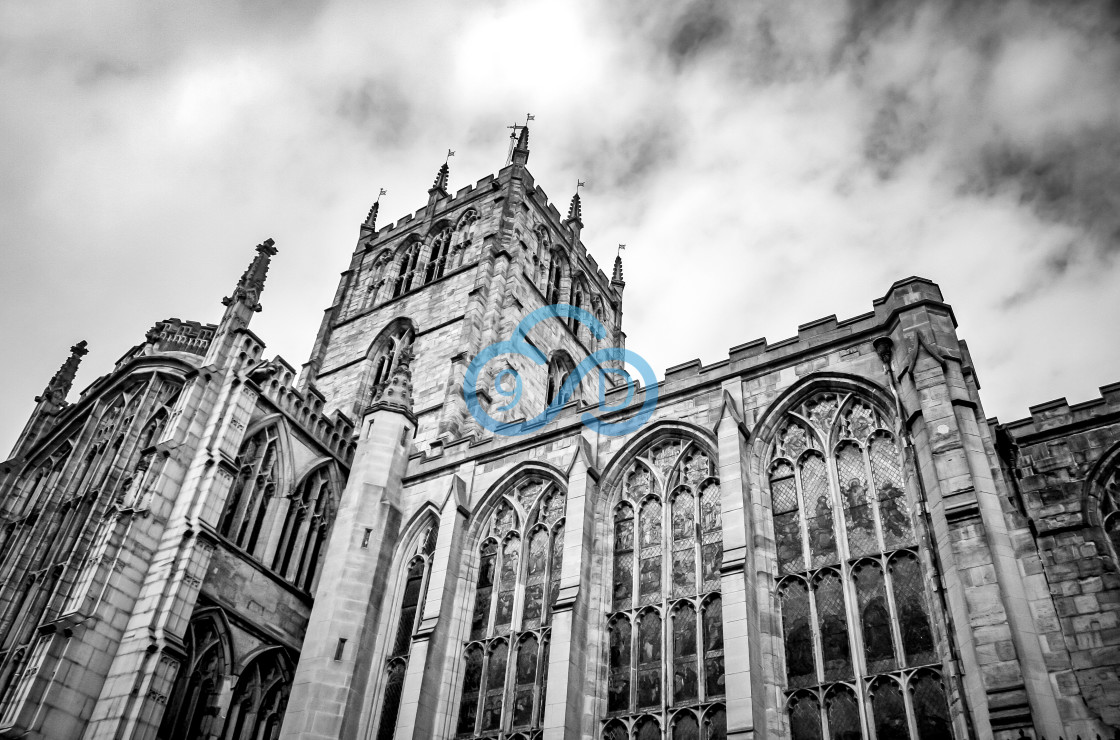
820, 537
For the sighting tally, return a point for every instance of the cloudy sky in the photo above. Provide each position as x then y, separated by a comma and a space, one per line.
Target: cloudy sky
766, 163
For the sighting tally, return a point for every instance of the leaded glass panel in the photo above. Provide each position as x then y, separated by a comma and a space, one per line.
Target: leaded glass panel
889, 711
805, 718
913, 619
787, 521
525, 677
818, 510
857, 507
649, 659
843, 715
472, 683
798, 634
712, 641
615, 731
875, 618
536, 568
685, 727
886, 472
647, 729
833, 627
715, 724
930, 708
481, 616
507, 583
495, 688
649, 574
557, 566
623, 556
685, 688
618, 688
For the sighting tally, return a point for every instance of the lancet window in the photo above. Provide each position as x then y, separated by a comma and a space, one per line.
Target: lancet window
860, 655
193, 709
254, 487
306, 526
260, 697
437, 258
407, 620
506, 657
665, 656
406, 269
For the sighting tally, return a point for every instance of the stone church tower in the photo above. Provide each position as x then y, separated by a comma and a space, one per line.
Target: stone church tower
821, 537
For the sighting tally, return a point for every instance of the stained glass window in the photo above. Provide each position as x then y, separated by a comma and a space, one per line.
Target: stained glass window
889, 711
519, 566
852, 588
666, 657
930, 707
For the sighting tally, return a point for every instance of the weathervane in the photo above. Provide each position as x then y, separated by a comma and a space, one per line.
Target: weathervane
515, 129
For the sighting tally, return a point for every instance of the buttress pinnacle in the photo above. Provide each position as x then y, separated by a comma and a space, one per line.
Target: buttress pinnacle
397, 393
251, 284
575, 211
59, 386
441, 179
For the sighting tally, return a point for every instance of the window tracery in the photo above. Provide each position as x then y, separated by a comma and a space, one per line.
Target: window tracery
856, 627
306, 526
463, 237
1110, 509
253, 489
506, 656
260, 698
665, 655
437, 259
407, 620
193, 709
386, 353
406, 269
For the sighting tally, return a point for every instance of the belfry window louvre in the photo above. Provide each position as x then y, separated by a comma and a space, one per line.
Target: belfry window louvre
406, 269
858, 641
407, 620
506, 656
665, 655
438, 257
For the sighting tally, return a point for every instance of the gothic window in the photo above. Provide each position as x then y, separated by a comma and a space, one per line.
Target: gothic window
543, 244
306, 526
254, 487
192, 710
556, 274
437, 259
385, 355
851, 586
259, 699
506, 658
665, 657
406, 269
407, 620
463, 237
559, 368
377, 277
1110, 509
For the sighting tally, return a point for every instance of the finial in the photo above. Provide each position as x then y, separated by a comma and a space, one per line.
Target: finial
371, 219
251, 284
397, 393
63, 380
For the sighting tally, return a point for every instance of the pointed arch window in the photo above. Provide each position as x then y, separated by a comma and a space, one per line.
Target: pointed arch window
192, 711
386, 354
506, 658
463, 237
259, 698
406, 269
559, 368
851, 584
665, 662
407, 620
556, 274
254, 489
306, 527
1109, 487
437, 259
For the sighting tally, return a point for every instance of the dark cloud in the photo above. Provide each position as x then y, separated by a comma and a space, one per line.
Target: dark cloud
702, 26
380, 108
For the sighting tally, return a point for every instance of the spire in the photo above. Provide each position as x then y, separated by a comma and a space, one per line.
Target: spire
574, 221
63, 380
521, 149
397, 393
440, 185
616, 278
575, 210
371, 219
251, 284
